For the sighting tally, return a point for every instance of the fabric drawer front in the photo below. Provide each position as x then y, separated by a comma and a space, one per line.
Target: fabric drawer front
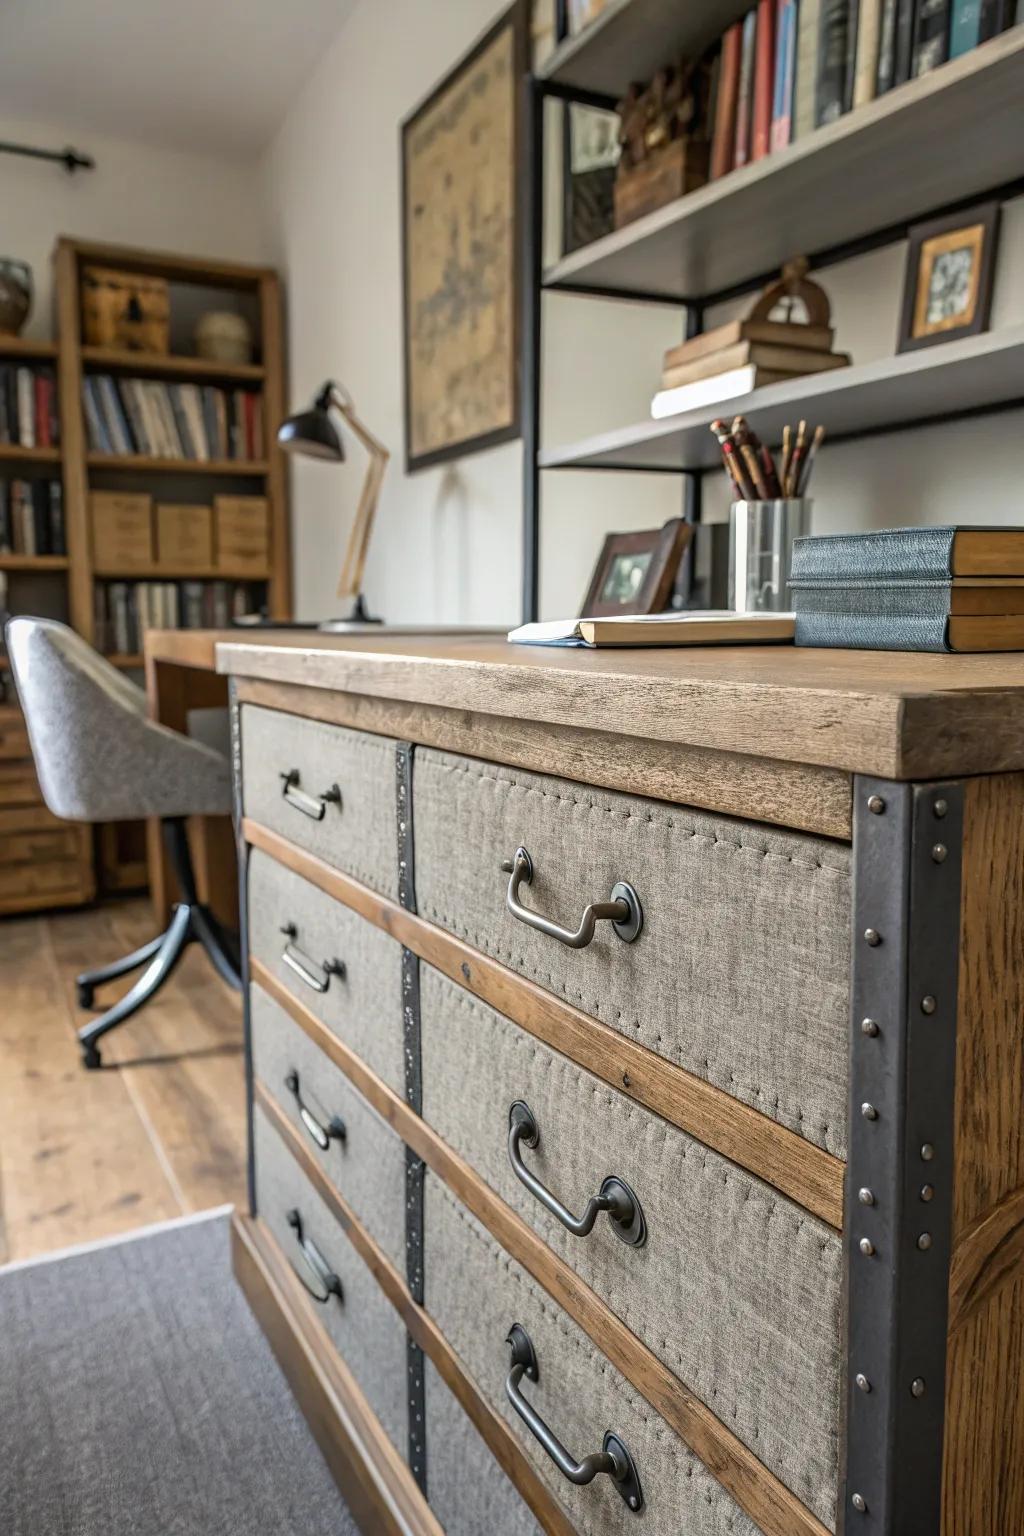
740, 973
328, 789
363, 1157
467, 1490
363, 1006
365, 1328
727, 1269
475, 1292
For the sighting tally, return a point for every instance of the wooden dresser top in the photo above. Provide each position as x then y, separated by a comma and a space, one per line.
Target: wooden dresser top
894, 714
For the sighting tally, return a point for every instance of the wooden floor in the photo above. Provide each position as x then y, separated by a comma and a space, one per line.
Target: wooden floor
158, 1131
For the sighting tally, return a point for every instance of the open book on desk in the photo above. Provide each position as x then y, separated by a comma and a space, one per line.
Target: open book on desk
707, 626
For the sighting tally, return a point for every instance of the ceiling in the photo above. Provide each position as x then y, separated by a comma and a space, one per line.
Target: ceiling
211, 75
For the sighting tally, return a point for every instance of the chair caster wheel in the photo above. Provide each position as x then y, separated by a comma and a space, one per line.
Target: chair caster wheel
86, 994
90, 1057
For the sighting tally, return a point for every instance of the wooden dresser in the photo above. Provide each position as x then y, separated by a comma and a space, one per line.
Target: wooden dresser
636, 1064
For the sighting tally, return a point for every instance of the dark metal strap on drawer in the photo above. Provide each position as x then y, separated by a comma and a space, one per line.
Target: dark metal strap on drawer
417, 1412
242, 849
907, 842
405, 754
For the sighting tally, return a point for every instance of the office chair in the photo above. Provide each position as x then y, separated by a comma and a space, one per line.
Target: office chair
99, 757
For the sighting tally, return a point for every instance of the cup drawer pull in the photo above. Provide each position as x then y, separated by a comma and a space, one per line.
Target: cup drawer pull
318, 977
313, 806
623, 910
323, 1135
613, 1458
327, 1282
614, 1196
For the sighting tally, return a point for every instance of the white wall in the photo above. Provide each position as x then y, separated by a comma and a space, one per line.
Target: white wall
198, 204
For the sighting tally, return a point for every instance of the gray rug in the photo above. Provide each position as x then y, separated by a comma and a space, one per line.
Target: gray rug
138, 1395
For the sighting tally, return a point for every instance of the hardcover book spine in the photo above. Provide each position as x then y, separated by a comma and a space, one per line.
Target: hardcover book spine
870, 632
996, 16
931, 36
724, 143
830, 96
906, 554
869, 26
745, 99
964, 27
906, 11
785, 73
764, 78
26, 408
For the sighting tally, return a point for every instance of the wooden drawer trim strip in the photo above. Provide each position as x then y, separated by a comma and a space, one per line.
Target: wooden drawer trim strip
425, 1333
376, 1483
798, 1169
765, 789
773, 1508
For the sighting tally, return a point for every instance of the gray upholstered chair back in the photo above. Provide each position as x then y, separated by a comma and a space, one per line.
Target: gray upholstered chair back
97, 755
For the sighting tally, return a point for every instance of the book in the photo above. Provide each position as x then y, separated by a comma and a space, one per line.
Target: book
831, 97
865, 69
886, 68
909, 616
785, 74
931, 36
996, 16
903, 43
745, 94
723, 142
808, 25
764, 79
964, 27
699, 627
26, 407
790, 360
790, 333
909, 554
723, 386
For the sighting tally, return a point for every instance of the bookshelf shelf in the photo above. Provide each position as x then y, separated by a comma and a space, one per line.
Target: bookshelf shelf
126, 662
629, 39
167, 366
909, 390
130, 463
952, 134
171, 573
33, 563
23, 349
14, 453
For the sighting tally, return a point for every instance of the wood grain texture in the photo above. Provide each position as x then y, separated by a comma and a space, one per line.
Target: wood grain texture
805, 1173
787, 794
888, 713
490, 1425
983, 1479
377, 1485
775, 1510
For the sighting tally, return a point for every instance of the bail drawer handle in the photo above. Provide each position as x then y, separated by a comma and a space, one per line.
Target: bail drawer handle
623, 910
318, 977
613, 1458
315, 807
327, 1282
614, 1196
323, 1135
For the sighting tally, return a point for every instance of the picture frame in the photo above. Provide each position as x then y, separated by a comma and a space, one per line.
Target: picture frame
590, 158
462, 215
635, 572
947, 289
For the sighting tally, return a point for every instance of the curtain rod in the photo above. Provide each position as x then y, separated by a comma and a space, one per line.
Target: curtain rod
69, 158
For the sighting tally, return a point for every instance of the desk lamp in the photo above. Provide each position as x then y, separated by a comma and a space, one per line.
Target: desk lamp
313, 433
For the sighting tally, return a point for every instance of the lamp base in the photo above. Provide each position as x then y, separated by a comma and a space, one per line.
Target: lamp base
353, 620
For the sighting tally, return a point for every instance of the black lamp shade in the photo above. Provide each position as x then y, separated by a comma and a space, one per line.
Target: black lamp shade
312, 433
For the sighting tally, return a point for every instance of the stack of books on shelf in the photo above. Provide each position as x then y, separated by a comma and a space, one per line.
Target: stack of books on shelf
192, 422
790, 66
28, 406
32, 518
737, 357
125, 610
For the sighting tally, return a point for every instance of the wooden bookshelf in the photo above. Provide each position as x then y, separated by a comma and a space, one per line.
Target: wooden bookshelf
27, 350
15, 453
154, 366
144, 464
158, 572
33, 563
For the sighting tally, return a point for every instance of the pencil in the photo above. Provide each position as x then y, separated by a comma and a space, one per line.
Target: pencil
733, 464
795, 462
747, 445
787, 445
816, 442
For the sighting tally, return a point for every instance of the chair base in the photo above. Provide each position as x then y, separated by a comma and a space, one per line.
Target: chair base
192, 922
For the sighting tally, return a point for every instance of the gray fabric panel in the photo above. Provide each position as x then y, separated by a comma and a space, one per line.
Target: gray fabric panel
360, 835
363, 1325
368, 1167
139, 1396
475, 1292
468, 1491
363, 1008
736, 1289
741, 973
97, 756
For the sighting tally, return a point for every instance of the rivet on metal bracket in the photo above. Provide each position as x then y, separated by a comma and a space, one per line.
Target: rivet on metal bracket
876, 805
924, 1242
940, 807
867, 1247
866, 1196
927, 1152
869, 1027
872, 937
927, 1192
939, 853
869, 1112
862, 1382
917, 1387
928, 1004
859, 1503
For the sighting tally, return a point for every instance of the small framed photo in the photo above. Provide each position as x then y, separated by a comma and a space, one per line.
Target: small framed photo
635, 571
948, 286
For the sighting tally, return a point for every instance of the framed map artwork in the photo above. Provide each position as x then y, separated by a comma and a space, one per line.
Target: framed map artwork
461, 200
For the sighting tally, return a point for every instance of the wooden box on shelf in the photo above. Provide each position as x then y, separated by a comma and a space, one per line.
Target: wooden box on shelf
243, 534
129, 311
184, 536
122, 530
679, 167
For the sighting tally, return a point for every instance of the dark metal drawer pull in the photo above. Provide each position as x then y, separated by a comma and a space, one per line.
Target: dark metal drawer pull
613, 1457
313, 807
623, 910
327, 1281
323, 1135
614, 1196
316, 976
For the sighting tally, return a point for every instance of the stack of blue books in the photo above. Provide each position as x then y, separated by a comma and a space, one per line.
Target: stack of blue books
911, 589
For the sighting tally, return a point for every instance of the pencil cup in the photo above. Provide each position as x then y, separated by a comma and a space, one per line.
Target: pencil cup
761, 535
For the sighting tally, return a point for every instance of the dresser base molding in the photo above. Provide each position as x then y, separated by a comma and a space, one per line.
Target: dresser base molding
797, 1168
773, 1508
376, 1484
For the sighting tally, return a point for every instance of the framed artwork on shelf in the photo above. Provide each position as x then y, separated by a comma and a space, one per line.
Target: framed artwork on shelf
590, 159
461, 236
635, 572
948, 285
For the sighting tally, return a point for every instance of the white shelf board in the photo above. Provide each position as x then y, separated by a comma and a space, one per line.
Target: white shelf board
974, 373
631, 39
951, 134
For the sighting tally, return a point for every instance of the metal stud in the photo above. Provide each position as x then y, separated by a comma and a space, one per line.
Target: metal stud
869, 1027
876, 805
927, 1192
928, 1004
940, 807
917, 1387
924, 1242
866, 1196
869, 1112
872, 937
927, 1152
862, 1382
859, 1503
939, 853
866, 1247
